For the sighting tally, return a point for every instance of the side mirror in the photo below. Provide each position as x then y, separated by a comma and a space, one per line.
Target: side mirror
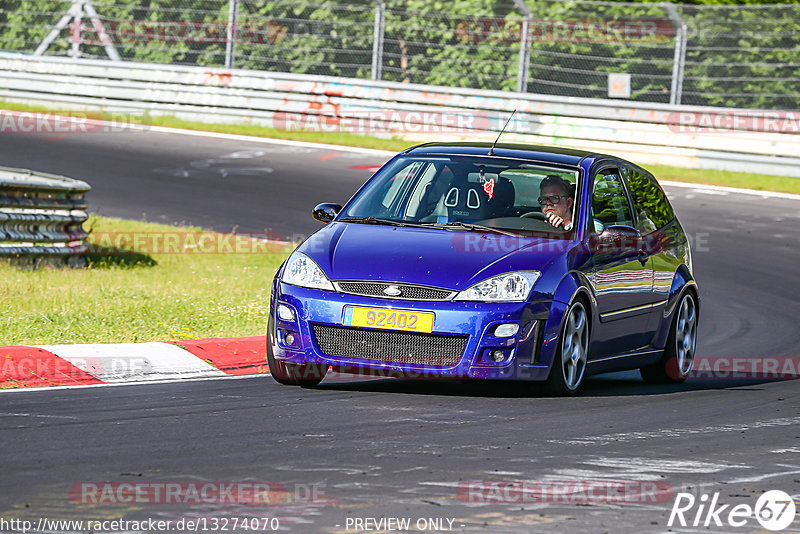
325, 213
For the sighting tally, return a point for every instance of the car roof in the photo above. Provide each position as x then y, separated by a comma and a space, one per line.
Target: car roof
563, 156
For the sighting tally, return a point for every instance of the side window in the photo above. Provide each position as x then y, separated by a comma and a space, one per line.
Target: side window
609, 202
652, 207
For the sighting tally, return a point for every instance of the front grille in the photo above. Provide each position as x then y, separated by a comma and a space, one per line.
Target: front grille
386, 345
408, 291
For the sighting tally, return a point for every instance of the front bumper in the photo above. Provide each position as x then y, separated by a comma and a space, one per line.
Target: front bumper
527, 355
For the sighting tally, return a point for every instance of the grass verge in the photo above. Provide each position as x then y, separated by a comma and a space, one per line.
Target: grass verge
762, 182
746, 180
130, 294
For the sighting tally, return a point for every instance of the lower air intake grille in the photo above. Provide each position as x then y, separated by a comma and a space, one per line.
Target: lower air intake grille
385, 345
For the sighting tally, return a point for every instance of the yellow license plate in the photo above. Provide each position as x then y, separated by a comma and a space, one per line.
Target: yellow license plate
409, 321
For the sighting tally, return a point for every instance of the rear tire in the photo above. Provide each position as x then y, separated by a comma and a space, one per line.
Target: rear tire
569, 366
290, 374
676, 364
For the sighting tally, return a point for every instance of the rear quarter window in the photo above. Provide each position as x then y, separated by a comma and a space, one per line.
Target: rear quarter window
653, 210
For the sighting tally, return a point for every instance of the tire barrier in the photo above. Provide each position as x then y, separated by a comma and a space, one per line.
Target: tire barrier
41, 218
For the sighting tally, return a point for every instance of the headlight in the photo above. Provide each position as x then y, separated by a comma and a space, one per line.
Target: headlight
302, 271
509, 287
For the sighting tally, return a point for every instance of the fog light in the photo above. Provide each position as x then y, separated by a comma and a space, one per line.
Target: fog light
506, 330
289, 339
497, 355
285, 313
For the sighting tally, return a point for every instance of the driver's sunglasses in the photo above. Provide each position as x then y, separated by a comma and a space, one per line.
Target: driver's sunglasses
554, 200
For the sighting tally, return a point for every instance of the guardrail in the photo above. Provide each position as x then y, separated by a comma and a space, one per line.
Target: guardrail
686, 136
41, 217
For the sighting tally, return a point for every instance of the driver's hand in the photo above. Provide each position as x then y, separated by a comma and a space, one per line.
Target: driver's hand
554, 219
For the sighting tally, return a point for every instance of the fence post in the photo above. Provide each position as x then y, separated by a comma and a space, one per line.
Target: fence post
97, 24
74, 11
75, 14
75, 49
230, 37
377, 40
679, 57
524, 46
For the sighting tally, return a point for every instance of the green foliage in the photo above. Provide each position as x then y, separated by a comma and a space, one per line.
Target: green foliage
465, 43
743, 55
331, 39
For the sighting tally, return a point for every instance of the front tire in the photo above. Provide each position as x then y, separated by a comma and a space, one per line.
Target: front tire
289, 374
676, 364
566, 373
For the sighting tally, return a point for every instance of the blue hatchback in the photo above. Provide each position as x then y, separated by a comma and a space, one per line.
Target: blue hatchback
512, 262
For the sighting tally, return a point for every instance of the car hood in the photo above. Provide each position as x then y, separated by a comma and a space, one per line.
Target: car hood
443, 258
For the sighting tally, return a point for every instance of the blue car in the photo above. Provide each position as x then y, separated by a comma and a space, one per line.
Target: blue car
475, 261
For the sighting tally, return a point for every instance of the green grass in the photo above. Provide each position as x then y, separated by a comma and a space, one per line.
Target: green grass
764, 182
124, 296
746, 180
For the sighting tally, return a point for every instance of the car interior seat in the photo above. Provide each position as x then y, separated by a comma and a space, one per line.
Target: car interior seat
502, 202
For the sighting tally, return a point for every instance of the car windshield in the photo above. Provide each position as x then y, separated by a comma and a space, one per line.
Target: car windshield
468, 193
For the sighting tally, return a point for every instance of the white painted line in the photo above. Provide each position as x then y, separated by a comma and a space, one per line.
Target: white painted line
763, 477
666, 433
268, 140
123, 384
723, 189
659, 465
134, 362
37, 415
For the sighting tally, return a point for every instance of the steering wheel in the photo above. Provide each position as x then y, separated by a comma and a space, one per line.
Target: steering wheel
534, 215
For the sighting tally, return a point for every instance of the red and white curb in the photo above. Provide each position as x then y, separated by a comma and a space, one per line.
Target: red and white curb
115, 363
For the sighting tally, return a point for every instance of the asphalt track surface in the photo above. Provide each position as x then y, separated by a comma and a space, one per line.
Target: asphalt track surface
390, 448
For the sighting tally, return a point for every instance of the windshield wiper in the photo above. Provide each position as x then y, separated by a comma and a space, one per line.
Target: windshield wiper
377, 220
458, 225
455, 225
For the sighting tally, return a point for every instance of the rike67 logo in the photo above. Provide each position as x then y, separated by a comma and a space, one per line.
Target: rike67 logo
774, 510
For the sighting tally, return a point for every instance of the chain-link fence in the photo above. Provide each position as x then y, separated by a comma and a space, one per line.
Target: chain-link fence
736, 56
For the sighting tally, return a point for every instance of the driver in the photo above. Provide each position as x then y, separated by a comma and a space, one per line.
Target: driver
557, 198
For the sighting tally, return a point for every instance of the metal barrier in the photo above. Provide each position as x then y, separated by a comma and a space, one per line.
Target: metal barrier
717, 55
41, 217
685, 136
